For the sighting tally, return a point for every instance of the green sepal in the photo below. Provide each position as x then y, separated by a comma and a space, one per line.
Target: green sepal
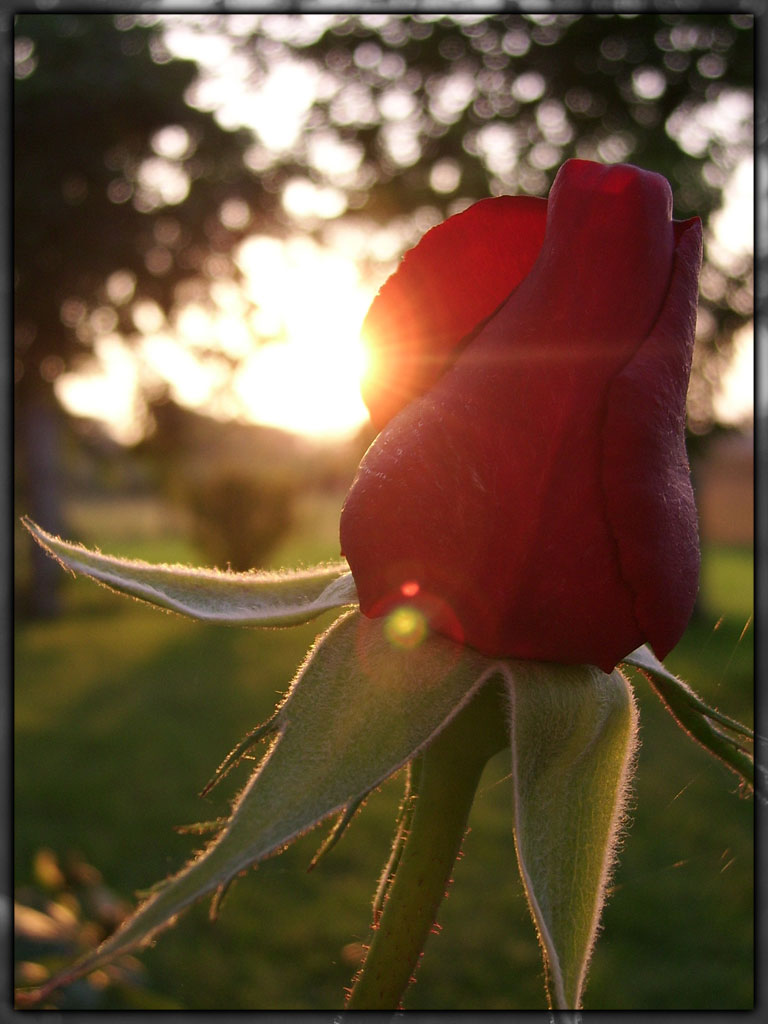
357, 711
572, 737
233, 598
572, 733
731, 744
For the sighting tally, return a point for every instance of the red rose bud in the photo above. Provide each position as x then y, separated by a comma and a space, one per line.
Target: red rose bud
529, 490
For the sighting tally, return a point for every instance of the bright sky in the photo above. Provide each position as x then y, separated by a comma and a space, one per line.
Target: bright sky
310, 300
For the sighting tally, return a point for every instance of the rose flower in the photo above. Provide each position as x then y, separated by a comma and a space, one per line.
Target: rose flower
529, 490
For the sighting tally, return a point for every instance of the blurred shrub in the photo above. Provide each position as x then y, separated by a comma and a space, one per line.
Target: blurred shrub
237, 517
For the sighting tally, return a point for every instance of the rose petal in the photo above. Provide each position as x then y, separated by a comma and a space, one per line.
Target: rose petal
445, 287
604, 265
649, 497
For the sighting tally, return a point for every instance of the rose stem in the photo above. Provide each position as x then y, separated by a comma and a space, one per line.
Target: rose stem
444, 780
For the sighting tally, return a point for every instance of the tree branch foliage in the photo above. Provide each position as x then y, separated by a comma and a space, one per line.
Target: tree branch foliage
408, 118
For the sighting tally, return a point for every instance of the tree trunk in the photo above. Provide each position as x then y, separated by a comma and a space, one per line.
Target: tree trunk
38, 447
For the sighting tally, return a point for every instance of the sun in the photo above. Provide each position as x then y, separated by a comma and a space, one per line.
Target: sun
308, 378
308, 386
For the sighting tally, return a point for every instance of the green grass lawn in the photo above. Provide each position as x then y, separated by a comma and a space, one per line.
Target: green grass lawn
123, 712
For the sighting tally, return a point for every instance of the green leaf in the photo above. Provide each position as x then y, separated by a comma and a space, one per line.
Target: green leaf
572, 736
359, 709
234, 598
731, 744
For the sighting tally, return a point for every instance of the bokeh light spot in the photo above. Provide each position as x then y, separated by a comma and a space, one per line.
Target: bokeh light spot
405, 627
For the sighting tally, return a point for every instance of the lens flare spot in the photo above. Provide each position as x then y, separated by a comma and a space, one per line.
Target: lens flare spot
409, 589
405, 627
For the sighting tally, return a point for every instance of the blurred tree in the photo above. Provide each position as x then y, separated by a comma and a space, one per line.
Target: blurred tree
425, 113
118, 184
